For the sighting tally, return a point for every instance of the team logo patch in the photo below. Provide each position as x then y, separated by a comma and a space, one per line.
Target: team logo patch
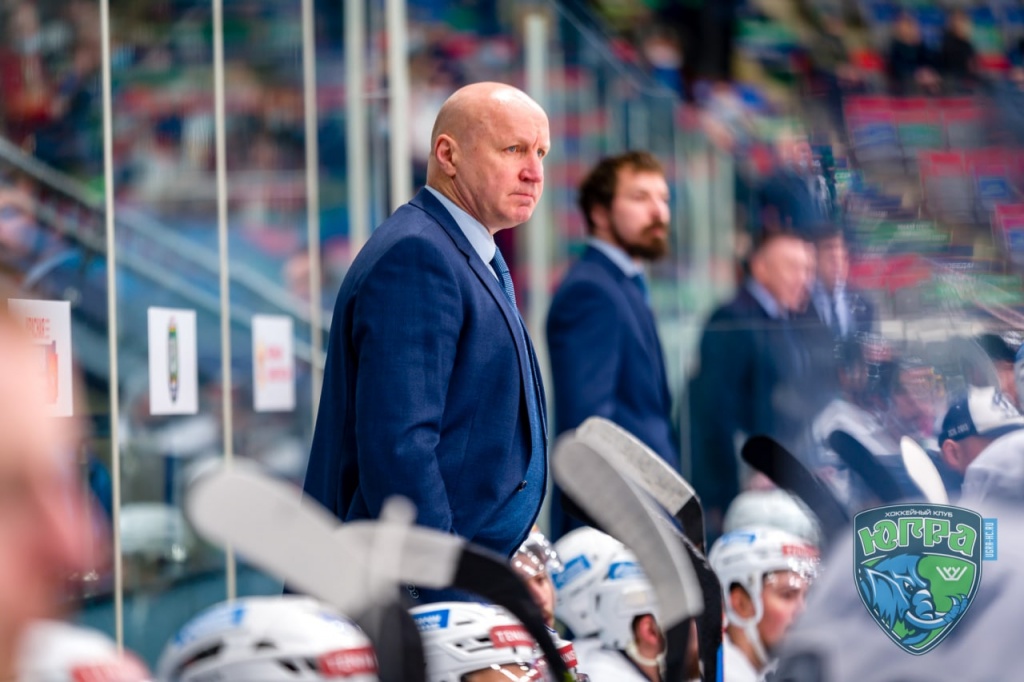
573, 569
917, 568
432, 620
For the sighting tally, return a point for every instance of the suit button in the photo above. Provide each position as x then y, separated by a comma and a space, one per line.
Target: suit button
521, 486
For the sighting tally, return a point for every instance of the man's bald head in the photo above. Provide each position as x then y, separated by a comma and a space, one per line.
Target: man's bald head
466, 111
487, 146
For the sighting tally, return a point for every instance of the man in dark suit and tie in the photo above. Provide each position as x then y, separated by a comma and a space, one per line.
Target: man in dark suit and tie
606, 358
753, 370
843, 309
432, 389
836, 311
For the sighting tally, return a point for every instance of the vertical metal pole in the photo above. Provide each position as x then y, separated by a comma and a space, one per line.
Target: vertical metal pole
313, 199
227, 406
400, 153
358, 170
538, 228
112, 326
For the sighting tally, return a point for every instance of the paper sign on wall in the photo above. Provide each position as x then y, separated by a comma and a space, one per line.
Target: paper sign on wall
273, 368
48, 324
173, 375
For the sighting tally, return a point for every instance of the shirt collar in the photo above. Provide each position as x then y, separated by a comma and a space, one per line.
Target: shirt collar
617, 256
767, 301
479, 238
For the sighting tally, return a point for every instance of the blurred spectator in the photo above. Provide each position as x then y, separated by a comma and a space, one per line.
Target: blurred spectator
957, 57
26, 101
64, 140
917, 394
23, 239
752, 364
795, 196
727, 120
1003, 355
664, 56
434, 78
832, 66
911, 65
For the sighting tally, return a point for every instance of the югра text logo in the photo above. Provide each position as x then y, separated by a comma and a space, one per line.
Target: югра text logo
917, 567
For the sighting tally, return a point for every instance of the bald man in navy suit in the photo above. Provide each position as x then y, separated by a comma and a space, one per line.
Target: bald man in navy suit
432, 389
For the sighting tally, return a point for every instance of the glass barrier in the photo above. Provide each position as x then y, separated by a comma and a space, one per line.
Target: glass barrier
927, 195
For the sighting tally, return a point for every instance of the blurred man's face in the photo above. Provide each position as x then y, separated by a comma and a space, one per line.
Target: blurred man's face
783, 596
534, 573
784, 266
917, 398
795, 151
44, 531
833, 262
543, 592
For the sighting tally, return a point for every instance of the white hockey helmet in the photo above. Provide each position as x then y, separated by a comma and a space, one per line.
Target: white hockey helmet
52, 651
536, 555
775, 508
460, 638
585, 555
623, 594
287, 638
745, 557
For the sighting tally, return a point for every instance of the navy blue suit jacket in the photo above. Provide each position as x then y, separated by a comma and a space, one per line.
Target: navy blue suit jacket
606, 359
423, 392
750, 381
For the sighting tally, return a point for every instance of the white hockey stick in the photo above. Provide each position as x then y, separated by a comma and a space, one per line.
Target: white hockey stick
275, 528
670, 490
645, 467
922, 471
588, 476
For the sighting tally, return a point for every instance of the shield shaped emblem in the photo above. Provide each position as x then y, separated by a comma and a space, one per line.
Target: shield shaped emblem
917, 568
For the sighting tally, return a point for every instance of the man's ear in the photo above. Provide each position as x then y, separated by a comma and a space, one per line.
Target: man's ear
646, 630
741, 602
951, 454
446, 152
600, 219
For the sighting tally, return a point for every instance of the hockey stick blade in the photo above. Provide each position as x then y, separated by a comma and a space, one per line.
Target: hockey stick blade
652, 474
650, 471
786, 471
437, 560
860, 460
272, 526
587, 476
923, 471
275, 528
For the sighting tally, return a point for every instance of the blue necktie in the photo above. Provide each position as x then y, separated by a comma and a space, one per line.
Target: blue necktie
641, 283
531, 380
498, 263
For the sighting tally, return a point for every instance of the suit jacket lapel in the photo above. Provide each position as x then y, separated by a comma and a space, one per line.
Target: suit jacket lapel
524, 349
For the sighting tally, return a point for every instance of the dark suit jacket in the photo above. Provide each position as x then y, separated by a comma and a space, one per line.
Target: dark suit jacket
862, 311
423, 393
606, 359
751, 372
